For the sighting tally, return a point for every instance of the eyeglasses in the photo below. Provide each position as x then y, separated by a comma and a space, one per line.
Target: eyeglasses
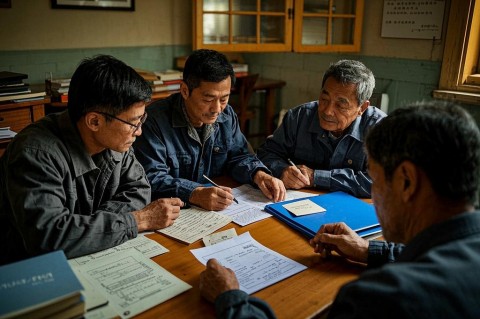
143, 118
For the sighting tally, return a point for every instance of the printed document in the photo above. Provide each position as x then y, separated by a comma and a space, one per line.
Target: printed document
195, 223
304, 207
255, 265
131, 282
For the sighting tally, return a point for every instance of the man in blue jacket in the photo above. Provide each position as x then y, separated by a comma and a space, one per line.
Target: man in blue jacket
195, 133
320, 143
425, 165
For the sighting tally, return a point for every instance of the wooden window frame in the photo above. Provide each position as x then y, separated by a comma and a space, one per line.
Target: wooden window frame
461, 53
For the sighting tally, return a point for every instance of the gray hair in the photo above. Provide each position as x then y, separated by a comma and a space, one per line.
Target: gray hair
352, 72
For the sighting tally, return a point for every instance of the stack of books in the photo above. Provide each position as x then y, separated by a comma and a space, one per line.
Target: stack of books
168, 80
40, 287
58, 89
12, 88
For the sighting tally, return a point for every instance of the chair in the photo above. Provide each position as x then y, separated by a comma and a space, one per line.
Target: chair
244, 87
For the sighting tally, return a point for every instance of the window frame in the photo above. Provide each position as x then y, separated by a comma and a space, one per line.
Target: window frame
461, 53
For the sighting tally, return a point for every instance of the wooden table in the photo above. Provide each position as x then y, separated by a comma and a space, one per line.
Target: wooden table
304, 295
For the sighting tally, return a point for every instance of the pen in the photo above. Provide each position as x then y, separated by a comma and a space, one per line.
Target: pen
291, 163
216, 185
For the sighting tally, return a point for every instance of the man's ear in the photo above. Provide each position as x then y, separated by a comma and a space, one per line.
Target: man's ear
408, 179
363, 107
184, 91
93, 121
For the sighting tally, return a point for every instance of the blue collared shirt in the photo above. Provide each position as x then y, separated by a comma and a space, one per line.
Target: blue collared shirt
175, 156
339, 166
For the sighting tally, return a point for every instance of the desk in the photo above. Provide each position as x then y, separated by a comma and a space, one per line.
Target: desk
303, 295
18, 115
269, 86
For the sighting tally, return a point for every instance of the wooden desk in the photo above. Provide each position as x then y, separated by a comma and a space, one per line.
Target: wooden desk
304, 295
269, 86
18, 115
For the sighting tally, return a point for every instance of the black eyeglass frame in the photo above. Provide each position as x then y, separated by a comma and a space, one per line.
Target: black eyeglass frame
142, 119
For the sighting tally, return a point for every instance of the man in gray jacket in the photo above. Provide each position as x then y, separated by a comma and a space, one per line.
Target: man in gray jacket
71, 181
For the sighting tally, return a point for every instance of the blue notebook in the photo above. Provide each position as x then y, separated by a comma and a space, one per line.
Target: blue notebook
36, 283
340, 207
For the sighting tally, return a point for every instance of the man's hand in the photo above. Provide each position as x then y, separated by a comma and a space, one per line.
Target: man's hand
341, 239
158, 214
270, 186
212, 198
216, 279
297, 177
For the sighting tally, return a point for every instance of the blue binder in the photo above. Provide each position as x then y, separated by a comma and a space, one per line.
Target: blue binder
340, 207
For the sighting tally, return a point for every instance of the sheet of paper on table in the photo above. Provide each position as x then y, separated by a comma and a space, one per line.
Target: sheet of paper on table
255, 265
251, 203
194, 224
304, 207
131, 282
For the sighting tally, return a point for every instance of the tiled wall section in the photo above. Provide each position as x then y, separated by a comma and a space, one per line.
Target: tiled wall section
404, 80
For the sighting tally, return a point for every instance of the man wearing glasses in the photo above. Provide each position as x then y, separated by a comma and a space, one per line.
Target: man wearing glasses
71, 181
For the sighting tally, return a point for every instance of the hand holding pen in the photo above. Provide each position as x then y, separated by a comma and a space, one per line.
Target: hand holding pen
293, 177
216, 185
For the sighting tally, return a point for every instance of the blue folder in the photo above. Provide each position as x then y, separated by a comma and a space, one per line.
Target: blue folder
340, 207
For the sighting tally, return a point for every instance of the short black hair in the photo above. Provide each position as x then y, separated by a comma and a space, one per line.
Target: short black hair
206, 66
438, 136
104, 83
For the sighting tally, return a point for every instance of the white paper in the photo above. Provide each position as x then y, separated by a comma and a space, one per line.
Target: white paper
304, 207
131, 282
149, 248
195, 223
251, 203
219, 237
255, 265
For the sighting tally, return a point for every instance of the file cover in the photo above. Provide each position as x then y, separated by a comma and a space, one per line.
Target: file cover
340, 207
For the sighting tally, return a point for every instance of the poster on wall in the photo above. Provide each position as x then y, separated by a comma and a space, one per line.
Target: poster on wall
413, 19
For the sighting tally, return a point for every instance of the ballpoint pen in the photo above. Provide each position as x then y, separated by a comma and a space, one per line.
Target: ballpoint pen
216, 185
291, 163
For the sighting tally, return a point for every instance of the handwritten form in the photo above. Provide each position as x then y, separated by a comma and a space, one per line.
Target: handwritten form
131, 282
195, 223
251, 203
255, 265
215, 238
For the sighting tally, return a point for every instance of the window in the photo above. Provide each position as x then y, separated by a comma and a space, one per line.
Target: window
460, 78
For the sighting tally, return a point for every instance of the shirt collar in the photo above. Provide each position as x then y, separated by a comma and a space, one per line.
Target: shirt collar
81, 160
353, 130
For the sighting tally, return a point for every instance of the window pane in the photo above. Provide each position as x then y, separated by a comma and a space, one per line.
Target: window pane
272, 29
215, 28
315, 6
272, 5
314, 31
244, 5
342, 32
215, 5
244, 28
343, 6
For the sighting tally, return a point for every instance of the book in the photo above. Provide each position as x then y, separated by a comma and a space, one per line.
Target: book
11, 89
340, 207
20, 96
7, 77
147, 75
166, 87
169, 75
35, 283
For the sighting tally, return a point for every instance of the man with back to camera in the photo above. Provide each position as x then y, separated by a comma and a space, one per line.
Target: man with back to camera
320, 143
195, 133
70, 181
425, 165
